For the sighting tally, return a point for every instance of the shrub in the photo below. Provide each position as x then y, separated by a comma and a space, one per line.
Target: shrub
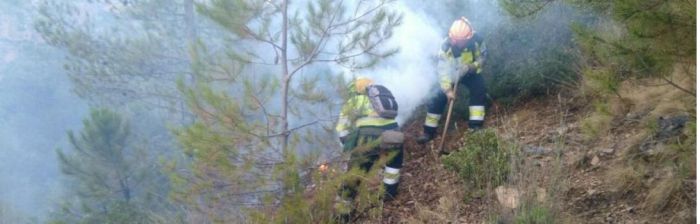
534, 214
532, 57
482, 162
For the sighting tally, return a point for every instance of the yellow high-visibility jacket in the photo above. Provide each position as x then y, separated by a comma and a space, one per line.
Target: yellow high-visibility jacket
357, 112
451, 58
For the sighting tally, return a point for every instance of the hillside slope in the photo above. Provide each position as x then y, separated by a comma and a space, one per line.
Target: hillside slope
580, 164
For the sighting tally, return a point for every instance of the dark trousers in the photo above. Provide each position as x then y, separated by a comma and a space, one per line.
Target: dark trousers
477, 98
368, 152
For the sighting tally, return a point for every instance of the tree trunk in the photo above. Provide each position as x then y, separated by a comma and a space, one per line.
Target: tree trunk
191, 30
189, 22
285, 82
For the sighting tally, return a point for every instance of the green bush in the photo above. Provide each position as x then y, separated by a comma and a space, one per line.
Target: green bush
530, 57
535, 214
482, 163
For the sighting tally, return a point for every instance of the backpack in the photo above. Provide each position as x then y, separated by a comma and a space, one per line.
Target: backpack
382, 101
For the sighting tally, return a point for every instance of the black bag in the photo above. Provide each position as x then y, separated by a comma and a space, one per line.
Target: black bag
391, 139
351, 141
382, 101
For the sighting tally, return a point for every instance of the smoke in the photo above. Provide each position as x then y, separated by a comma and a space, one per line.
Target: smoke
410, 74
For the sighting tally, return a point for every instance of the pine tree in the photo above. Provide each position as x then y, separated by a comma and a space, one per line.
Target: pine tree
110, 179
259, 110
633, 39
125, 53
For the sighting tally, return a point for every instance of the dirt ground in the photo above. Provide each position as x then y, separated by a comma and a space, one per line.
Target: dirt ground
550, 131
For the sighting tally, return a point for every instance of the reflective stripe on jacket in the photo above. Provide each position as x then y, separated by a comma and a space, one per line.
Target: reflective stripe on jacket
451, 58
357, 112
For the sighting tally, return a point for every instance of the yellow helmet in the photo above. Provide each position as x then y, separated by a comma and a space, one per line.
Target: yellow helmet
361, 84
461, 29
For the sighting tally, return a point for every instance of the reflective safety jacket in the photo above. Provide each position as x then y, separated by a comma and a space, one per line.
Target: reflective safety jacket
356, 113
451, 58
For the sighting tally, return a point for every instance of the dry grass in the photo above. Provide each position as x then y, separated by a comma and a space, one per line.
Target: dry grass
596, 124
659, 184
448, 210
657, 94
657, 180
540, 180
626, 179
662, 192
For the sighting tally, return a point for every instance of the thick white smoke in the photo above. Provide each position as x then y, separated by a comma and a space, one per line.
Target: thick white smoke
410, 74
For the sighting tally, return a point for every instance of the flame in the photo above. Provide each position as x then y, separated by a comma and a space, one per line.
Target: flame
323, 168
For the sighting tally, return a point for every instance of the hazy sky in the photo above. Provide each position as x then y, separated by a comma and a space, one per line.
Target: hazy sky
37, 107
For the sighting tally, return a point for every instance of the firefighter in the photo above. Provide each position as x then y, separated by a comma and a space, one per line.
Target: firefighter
360, 125
462, 58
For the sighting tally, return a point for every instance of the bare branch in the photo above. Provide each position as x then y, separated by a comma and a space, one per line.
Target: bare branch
259, 38
267, 115
678, 87
357, 18
364, 51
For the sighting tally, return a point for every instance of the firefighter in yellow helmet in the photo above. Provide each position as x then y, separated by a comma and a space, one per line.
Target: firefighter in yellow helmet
461, 59
359, 124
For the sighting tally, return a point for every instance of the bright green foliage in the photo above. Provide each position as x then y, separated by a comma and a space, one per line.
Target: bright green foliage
110, 179
483, 163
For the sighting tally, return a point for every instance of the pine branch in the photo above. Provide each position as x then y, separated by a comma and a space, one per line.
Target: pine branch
293, 129
678, 87
321, 42
267, 115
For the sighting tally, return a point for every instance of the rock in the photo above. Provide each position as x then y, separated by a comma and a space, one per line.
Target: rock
541, 195
607, 151
669, 127
536, 150
595, 161
508, 197
591, 192
570, 158
562, 130
558, 131
538, 163
609, 218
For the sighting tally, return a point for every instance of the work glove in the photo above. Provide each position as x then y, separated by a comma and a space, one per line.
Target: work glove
450, 94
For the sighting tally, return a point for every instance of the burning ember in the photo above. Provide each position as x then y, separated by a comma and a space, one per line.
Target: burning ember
323, 168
